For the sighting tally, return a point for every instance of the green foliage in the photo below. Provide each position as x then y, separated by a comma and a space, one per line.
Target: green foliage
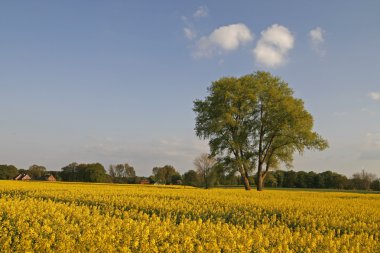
122, 173
8, 171
36, 171
253, 121
166, 175
93, 172
362, 180
205, 165
191, 178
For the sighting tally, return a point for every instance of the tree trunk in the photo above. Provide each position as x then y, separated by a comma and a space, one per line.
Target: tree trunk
247, 186
260, 177
260, 182
205, 178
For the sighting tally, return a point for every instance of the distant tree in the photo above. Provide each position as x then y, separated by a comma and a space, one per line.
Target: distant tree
280, 177
255, 120
270, 180
68, 173
8, 171
122, 173
191, 178
290, 179
119, 169
204, 164
93, 172
310, 179
36, 171
111, 172
375, 185
176, 179
22, 171
319, 181
301, 179
166, 175
339, 181
362, 180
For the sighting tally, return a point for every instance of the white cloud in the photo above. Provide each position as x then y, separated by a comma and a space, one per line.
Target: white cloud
190, 33
188, 30
316, 35
374, 95
272, 48
317, 40
202, 11
223, 39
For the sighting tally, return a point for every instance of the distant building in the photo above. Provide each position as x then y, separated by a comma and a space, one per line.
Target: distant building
49, 178
22, 177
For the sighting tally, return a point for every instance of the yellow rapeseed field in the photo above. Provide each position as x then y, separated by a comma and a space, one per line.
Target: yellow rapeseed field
75, 217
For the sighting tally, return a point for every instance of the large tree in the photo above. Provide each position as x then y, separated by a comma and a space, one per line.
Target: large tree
253, 121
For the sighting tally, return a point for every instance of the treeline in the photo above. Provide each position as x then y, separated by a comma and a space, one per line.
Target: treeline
286, 179
95, 172
206, 175
36, 172
324, 180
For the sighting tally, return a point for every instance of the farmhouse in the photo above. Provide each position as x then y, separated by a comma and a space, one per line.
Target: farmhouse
22, 176
49, 178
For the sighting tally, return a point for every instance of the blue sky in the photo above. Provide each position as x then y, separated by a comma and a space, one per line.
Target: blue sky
115, 81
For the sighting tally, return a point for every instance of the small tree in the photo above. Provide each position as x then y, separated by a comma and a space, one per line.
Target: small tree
204, 164
191, 178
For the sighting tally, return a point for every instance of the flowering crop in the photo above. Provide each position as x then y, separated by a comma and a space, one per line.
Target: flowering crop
66, 217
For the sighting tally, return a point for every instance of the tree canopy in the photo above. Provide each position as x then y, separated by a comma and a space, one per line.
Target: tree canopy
36, 171
254, 121
205, 165
166, 175
8, 171
122, 173
93, 172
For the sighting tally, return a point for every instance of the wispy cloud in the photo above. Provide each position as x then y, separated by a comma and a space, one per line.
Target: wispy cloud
190, 33
273, 46
223, 39
188, 30
202, 11
374, 95
317, 40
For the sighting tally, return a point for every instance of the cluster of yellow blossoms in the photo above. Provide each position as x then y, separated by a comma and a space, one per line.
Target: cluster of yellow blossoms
68, 217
